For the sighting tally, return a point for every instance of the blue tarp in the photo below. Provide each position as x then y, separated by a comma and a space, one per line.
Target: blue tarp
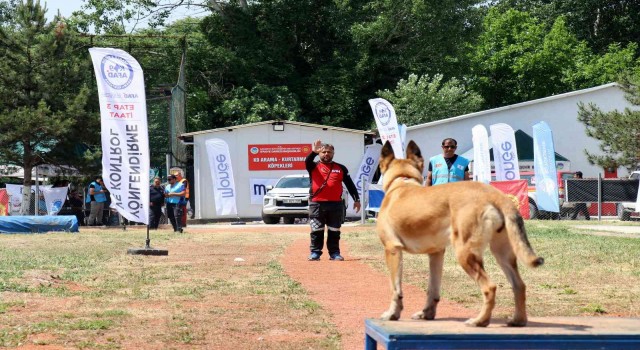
38, 224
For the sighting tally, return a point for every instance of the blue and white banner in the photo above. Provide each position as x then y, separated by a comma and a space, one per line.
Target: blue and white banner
258, 188
481, 157
54, 198
638, 200
387, 124
124, 131
505, 154
544, 160
224, 186
376, 195
368, 166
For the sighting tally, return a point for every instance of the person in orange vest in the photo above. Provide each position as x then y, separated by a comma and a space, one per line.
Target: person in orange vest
181, 179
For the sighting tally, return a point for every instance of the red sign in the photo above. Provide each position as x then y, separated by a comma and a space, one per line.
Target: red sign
517, 191
278, 157
4, 202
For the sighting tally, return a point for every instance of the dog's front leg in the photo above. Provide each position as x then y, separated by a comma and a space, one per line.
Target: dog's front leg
393, 256
436, 262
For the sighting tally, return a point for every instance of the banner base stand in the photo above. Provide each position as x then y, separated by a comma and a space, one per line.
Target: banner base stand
238, 222
147, 251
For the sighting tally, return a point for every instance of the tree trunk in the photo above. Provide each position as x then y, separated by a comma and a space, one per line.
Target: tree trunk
26, 192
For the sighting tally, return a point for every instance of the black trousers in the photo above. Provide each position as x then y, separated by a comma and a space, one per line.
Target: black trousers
155, 212
327, 214
581, 208
174, 213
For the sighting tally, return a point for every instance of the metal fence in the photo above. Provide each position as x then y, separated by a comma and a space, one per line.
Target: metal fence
603, 197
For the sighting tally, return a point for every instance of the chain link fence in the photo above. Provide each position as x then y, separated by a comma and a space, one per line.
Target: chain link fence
603, 197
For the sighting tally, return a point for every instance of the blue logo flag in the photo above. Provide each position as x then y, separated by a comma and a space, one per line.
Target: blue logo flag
544, 160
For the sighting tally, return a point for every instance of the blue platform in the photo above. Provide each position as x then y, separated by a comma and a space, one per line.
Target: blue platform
38, 224
540, 333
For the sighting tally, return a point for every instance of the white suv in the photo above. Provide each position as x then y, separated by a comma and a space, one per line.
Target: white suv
288, 199
625, 209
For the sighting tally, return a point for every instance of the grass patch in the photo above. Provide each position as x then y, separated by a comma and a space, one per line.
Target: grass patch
84, 291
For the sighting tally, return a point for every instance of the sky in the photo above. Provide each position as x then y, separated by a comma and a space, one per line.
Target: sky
66, 7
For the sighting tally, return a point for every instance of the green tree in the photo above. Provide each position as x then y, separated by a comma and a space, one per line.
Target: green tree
618, 131
600, 23
421, 99
518, 59
259, 104
40, 81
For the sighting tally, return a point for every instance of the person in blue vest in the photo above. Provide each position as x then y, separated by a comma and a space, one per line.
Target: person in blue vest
97, 197
175, 192
448, 166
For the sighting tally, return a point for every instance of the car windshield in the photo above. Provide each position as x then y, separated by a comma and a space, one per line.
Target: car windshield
293, 182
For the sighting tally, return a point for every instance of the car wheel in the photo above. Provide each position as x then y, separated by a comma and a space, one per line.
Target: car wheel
622, 213
270, 220
533, 210
288, 221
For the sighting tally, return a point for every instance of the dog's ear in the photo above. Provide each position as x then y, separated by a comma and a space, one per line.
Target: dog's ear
414, 154
386, 156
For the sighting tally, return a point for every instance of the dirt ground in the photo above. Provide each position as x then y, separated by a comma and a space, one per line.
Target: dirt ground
349, 291
352, 291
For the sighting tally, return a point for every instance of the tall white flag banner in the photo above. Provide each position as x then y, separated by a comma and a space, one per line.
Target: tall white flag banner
368, 166
505, 154
638, 200
54, 198
385, 117
224, 187
544, 159
258, 188
124, 131
481, 158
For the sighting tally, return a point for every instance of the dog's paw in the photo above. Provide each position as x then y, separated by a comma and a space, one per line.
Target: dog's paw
424, 315
390, 316
474, 322
517, 323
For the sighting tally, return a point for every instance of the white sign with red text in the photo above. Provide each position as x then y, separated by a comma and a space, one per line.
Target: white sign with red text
124, 131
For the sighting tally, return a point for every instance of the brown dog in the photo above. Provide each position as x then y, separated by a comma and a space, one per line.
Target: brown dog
470, 215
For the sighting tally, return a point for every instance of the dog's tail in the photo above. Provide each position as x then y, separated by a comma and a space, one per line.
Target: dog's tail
518, 238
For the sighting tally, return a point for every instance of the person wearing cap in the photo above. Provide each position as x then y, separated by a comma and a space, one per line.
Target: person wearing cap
174, 193
580, 207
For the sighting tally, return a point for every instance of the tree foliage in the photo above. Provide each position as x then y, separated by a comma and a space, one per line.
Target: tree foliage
618, 131
423, 99
41, 84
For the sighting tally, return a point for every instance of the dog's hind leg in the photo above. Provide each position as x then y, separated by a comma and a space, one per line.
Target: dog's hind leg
469, 255
506, 258
436, 262
393, 256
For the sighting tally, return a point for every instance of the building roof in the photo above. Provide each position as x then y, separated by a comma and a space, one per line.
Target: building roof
514, 106
274, 122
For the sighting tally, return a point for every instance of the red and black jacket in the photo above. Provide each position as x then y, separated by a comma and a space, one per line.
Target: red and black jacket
332, 191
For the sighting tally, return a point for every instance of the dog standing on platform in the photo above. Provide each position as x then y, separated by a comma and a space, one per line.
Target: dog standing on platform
469, 215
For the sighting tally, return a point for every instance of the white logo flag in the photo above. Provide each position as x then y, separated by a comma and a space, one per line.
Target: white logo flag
258, 188
224, 187
481, 158
505, 155
54, 198
638, 200
385, 117
125, 138
15, 199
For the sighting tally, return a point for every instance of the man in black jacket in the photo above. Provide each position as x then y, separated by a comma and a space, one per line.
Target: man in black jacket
156, 198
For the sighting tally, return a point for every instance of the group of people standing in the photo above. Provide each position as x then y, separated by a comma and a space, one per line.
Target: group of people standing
174, 196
